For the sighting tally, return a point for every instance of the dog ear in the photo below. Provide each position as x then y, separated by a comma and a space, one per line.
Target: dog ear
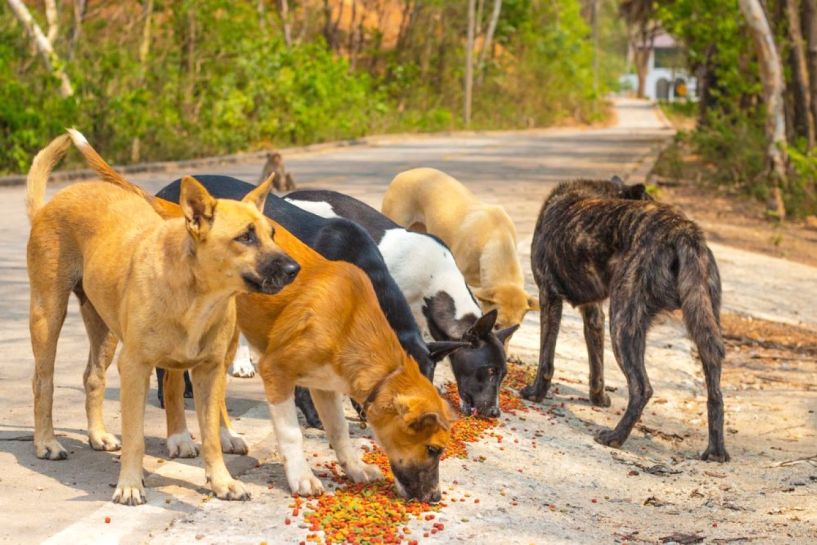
430, 422
485, 295
505, 334
258, 196
419, 416
533, 302
198, 207
482, 327
440, 349
637, 192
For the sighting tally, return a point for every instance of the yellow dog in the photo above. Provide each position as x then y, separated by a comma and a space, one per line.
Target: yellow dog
481, 237
166, 289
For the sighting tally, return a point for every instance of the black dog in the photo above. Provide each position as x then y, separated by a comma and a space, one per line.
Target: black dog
599, 239
340, 240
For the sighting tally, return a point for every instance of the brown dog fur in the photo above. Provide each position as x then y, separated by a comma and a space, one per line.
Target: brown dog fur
326, 331
164, 288
481, 237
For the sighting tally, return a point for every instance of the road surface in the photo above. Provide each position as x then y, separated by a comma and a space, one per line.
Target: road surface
597, 500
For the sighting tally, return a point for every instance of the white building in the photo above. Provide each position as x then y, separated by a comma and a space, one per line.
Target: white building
667, 76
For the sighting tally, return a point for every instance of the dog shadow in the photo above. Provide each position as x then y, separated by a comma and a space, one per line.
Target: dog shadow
564, 401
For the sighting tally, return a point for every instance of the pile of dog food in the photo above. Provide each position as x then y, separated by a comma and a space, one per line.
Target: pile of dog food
361, 514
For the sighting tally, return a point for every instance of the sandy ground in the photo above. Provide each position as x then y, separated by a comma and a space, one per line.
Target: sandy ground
547, 481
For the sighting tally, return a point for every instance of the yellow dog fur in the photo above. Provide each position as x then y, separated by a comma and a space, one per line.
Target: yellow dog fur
165, 289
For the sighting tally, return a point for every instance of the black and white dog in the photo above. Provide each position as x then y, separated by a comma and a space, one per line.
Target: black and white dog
425, 271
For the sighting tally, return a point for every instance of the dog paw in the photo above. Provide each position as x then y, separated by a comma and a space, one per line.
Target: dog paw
609, 438
129, 494
231, 490
305, 484
51, 450
600, 400
361, 472
181, 445
103, 441
713, 454
232, 443
242, 366
531, 393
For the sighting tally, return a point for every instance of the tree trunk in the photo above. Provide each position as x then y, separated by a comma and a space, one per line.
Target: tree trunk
810, 31
641, 58
52, 16
773, 86
52, 62
489, 36
283, 12
800, 74
79, 15
144, 52
469, 63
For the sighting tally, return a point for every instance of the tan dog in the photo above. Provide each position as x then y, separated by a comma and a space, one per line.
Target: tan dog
326, 331
481, 237
164, 288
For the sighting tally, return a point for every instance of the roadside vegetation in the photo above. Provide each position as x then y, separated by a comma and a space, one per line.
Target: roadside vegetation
173, 79
753, 127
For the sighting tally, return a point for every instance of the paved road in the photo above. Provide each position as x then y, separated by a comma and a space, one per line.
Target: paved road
67, 501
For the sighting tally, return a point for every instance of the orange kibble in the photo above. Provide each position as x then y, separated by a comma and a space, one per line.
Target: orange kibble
107, 520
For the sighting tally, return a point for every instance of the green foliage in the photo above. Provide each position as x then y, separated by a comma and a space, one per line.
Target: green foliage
215, 83
730, 131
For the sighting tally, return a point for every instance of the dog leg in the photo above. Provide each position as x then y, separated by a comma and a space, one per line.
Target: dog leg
593, 318
134, 379
208, 391
231, 442
291, 447
47, 314
628, 328
304, 402
330, 408
102, 349
716, 449
550, 315
180, 443
241, 365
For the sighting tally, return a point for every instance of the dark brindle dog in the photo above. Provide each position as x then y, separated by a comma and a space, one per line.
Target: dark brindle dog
599, 239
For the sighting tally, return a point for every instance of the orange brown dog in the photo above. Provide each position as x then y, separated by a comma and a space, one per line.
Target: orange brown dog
326, 331
481, 237
165, 289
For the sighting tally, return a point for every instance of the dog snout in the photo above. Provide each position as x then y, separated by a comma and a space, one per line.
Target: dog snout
275, 271
434, 497
492, 412
290, 270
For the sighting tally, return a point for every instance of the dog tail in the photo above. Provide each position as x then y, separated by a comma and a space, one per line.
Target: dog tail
41, 168
699, 288
108, 174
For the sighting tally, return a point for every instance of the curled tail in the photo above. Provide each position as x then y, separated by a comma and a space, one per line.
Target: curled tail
108, 174
40, 170
699, 288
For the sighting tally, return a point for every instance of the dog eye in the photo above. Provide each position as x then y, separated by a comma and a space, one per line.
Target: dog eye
247, 237
434, 451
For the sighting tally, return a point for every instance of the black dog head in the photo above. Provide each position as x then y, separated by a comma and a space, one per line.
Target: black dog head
480, 367
636, 192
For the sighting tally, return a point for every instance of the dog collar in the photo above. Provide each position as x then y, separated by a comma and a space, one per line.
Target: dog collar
376, 390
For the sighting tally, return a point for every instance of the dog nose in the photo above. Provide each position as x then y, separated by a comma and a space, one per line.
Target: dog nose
291, 270
493, 412
435, 497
